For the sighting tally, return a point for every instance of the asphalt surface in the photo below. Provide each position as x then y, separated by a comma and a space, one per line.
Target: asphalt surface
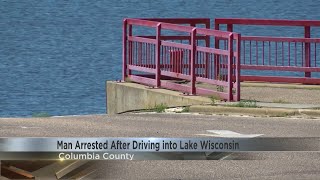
284, 95
277, 165
157, 125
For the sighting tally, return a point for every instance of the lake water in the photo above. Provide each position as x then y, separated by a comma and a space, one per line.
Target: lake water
55, 56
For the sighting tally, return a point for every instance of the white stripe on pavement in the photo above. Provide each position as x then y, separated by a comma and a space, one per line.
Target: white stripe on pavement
227, 133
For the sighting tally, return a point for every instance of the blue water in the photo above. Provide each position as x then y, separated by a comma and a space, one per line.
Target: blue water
55, 56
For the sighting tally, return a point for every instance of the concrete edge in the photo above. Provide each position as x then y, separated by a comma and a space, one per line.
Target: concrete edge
272, 112
201, 99
124, 97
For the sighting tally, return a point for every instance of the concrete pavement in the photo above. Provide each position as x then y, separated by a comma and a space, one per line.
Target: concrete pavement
157, 125
266, 111
284, 95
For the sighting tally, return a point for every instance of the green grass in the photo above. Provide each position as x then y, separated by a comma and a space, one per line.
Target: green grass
159, 108
214, 99
186, 109
279, 101
245, 103
41, 114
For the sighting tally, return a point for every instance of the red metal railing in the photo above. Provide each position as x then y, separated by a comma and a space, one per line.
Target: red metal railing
277, 54
161, 57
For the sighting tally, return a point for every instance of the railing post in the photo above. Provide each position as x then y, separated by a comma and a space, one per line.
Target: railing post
190, 42
130, 50
216, 57
207, 55
238, 69
124, 50
230, 27
157, 53
307, 50
230, 67
193, 59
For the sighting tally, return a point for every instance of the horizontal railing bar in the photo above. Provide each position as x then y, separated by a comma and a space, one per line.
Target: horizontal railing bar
176, 75
175, 86
162, 77
185, 88
177, 45
142, 80
140, 22
212, 50
142, 69
142, 40
175, 37
212, 32
276, 39
166, 65
280, 39
212, 81
221, 38
176, 27
181, 20
271, 22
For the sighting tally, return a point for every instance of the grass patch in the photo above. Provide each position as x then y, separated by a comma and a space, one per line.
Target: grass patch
245, 103
186, 109
214, 99
279, 101
41, 114
159, 108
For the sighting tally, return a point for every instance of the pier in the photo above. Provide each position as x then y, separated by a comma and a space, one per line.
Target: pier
198, 60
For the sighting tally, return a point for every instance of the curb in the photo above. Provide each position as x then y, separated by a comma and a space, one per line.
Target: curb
272, 112
310, 112
278, 85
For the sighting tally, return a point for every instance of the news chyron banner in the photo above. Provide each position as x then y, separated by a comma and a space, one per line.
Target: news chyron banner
144, 148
